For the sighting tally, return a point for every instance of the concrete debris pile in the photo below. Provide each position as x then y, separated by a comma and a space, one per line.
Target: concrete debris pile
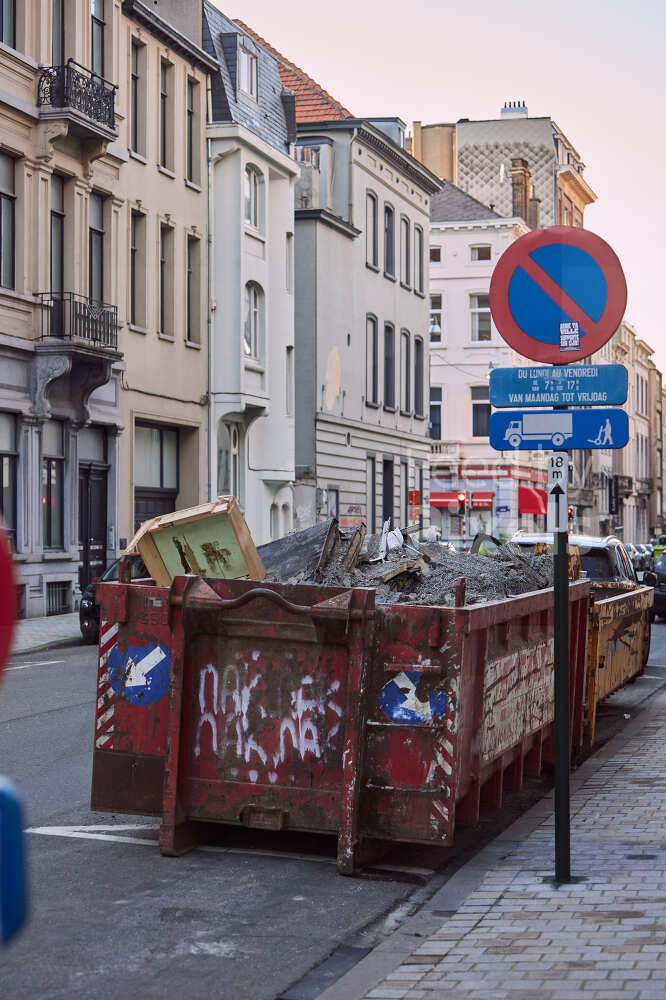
402, 569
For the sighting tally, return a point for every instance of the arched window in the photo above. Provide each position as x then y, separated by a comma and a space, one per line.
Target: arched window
371, 233
389, 241
228, 460
254, 197
253, 332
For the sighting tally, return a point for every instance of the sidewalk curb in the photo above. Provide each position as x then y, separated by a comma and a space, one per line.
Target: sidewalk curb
407, 939
75, 640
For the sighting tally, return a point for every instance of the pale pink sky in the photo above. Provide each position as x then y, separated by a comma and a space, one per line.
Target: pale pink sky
598, 69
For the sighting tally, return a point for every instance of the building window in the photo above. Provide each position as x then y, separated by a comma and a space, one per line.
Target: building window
254, 197
57, 29
166, 280
435, 255
405, 372
193, 290
138, 270
53, 480
389, 366
435, 319
289, 388
435, 413
405, 253
389, 241
8, 476
418, 260
371, 230
156, 457
137, 97
289, 262
166, 115
192, 150
96, 247
372, 361
371, 493
480, 411
480, 317
253, 334
248, 72
57, 234
387, 489
418, 376
228, 460
7, 233
97, 37
480, 252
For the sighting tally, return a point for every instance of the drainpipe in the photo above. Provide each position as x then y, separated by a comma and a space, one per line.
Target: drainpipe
209, 322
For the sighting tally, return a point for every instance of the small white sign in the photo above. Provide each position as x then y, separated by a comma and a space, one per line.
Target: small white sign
569, 337
558, 478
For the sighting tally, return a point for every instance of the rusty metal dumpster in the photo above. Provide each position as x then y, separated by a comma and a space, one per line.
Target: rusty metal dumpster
618, 644
307, 707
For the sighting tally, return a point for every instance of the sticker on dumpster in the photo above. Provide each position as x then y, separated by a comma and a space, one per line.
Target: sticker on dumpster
398, 700
140, 674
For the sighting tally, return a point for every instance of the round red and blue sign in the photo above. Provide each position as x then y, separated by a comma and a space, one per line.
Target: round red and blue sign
558, 295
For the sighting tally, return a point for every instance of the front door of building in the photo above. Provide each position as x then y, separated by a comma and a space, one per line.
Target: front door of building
92, 522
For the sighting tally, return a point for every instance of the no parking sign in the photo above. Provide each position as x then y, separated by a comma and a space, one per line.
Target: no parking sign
558, 294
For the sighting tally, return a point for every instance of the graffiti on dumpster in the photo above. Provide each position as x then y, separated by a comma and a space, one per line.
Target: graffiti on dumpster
231, 717
518, 698
140, 674
399, 701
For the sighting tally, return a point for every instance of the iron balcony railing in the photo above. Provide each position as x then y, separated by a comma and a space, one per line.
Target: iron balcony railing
74, 86
69, 316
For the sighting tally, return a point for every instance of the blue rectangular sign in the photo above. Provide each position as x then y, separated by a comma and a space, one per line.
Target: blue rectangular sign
531, 430
559, 385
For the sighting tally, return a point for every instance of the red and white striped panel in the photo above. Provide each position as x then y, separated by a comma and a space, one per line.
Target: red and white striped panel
442, 766
106, 696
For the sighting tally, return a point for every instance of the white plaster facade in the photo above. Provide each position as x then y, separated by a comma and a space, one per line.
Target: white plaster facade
252, 387
362, 442
459, 369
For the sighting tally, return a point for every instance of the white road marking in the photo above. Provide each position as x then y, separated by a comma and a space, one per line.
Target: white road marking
100, 833
40, 663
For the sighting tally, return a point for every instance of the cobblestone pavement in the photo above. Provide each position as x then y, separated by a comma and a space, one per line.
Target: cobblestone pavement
33, 634
518, 935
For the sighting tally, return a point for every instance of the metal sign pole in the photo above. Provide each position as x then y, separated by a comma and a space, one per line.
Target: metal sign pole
562, 743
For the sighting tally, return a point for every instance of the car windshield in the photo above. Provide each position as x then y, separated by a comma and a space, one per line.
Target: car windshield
660, 564
139, 570
597, 564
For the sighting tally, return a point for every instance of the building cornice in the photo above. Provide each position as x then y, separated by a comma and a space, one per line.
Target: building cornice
235, 132
401, 160
328, 219
171, 37
576, 180
502, 223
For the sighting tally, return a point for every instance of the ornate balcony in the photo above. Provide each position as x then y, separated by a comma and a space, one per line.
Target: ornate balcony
68, 316
85, 100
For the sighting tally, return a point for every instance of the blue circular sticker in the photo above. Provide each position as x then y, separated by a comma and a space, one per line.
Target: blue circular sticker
399, 702
140, 674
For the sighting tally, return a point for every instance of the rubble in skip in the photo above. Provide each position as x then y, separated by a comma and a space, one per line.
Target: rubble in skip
402, 569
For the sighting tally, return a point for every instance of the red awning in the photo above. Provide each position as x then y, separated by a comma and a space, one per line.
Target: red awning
482, 500
532, 500
443, 499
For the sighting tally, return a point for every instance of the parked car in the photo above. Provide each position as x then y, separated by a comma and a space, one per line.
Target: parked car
646, 556
659, 545
634, 554
659, 607
603, 559
89, 609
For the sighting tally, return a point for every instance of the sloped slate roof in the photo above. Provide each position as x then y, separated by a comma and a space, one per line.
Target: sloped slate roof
265, 116
313, 103
453, 205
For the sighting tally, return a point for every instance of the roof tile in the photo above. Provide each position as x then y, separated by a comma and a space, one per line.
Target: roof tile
313, 103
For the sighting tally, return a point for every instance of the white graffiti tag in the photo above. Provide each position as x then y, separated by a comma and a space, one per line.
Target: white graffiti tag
225, 710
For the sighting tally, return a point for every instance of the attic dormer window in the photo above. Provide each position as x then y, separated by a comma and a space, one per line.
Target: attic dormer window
248, 72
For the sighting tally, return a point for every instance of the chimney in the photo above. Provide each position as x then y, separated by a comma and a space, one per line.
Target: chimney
520, 179
514, 109
533, 210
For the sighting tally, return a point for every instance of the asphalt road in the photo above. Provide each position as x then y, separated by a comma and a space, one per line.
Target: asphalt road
110, 917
